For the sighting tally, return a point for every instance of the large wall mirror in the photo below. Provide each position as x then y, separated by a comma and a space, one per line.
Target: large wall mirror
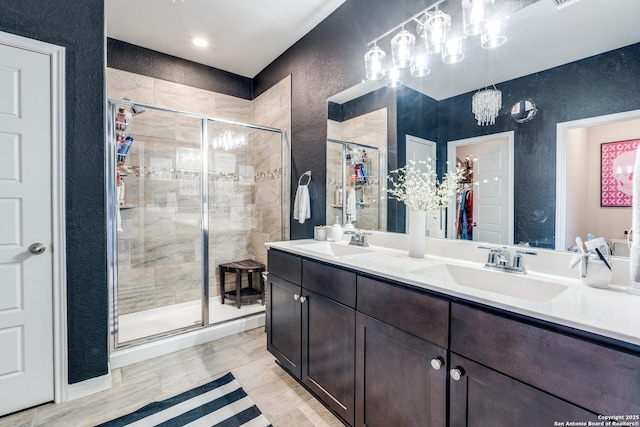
578, 66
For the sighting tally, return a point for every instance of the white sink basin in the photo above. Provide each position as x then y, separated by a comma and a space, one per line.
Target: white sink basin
332, 248
498, 282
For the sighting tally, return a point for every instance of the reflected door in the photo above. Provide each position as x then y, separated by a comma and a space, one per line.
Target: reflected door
422, 150
490, 195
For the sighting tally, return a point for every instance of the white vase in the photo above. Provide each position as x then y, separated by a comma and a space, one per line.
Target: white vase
417, 231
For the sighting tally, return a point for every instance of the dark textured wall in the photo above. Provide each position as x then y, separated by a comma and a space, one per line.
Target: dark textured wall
596, 86
135, 59
79, 27
417, 116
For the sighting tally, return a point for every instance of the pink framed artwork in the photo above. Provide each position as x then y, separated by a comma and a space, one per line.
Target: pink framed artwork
616, 172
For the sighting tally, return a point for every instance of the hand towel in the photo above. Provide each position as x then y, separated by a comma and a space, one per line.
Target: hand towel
634, 257
302, 204
352, 205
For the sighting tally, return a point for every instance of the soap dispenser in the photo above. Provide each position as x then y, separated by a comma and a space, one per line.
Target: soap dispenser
336, 231
349, 225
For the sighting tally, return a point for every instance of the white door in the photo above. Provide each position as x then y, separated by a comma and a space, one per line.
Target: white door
26, 281
491, 194
423, 150
492, 214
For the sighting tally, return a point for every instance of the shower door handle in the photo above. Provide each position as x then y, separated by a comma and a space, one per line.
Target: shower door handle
37, 248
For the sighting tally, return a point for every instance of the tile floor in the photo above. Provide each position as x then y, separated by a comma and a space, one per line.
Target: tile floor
283, 401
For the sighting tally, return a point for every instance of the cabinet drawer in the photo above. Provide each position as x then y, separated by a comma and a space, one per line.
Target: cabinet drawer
422, 315
592, 376
331, 282
285, 266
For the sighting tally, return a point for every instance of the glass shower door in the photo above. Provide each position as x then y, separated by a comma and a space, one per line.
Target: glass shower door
159, 237
245, 211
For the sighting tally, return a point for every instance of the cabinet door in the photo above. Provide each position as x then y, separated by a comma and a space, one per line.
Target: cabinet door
483, 397
283, 323
396, 384
328, 337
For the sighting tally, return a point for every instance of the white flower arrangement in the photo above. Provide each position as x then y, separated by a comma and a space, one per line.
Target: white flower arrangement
417, 186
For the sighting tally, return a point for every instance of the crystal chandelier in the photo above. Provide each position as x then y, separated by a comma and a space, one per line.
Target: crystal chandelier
229, 140
485, 105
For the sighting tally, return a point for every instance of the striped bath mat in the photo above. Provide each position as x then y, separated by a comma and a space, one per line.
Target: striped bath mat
221, 403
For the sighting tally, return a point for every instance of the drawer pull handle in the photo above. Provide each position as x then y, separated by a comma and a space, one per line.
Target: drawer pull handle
456, 373
437, 363
296, 296
302, 300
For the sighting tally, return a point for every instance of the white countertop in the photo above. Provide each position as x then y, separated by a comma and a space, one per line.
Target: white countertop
610, 312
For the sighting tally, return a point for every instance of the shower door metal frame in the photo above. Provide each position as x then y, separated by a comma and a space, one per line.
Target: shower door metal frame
112, 206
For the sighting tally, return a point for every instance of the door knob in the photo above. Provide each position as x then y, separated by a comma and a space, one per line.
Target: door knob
296, 296
302, 300
37, 248
456, 373
437, 363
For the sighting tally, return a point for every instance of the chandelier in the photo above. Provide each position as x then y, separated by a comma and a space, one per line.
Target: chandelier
485, 105
433, 29
229, 140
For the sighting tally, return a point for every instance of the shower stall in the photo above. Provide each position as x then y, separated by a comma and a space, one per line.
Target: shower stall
186, 193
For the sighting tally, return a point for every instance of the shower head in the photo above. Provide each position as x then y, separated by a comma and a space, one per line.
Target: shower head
136, 109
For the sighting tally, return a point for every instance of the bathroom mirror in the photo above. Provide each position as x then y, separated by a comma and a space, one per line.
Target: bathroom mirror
588, 75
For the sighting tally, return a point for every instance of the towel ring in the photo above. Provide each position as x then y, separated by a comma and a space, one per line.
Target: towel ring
307, 173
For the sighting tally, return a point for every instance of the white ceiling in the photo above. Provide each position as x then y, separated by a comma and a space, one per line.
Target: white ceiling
244, 35
540, 36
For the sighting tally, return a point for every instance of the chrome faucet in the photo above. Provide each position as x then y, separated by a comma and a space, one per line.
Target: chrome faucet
499, 260
358, 237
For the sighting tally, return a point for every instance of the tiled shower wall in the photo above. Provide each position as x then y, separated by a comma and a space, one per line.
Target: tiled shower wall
159, 247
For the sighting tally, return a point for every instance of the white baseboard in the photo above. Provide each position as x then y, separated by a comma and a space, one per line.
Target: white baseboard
138, 353
90, 386
142, 352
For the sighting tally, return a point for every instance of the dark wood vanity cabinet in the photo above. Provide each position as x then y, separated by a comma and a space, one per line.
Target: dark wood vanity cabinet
479, 396
284, 311
311, 329
328, 337
284, 339
511, 372
382, 354
401, 357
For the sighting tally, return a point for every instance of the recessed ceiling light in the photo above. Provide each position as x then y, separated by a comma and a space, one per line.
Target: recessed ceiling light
200, 42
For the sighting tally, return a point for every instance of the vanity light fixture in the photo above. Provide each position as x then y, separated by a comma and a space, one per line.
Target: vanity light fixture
433, 28
452, 52
420, 64
374, 63
199, 41
491, 37
393, 78
402, 48
474, 21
